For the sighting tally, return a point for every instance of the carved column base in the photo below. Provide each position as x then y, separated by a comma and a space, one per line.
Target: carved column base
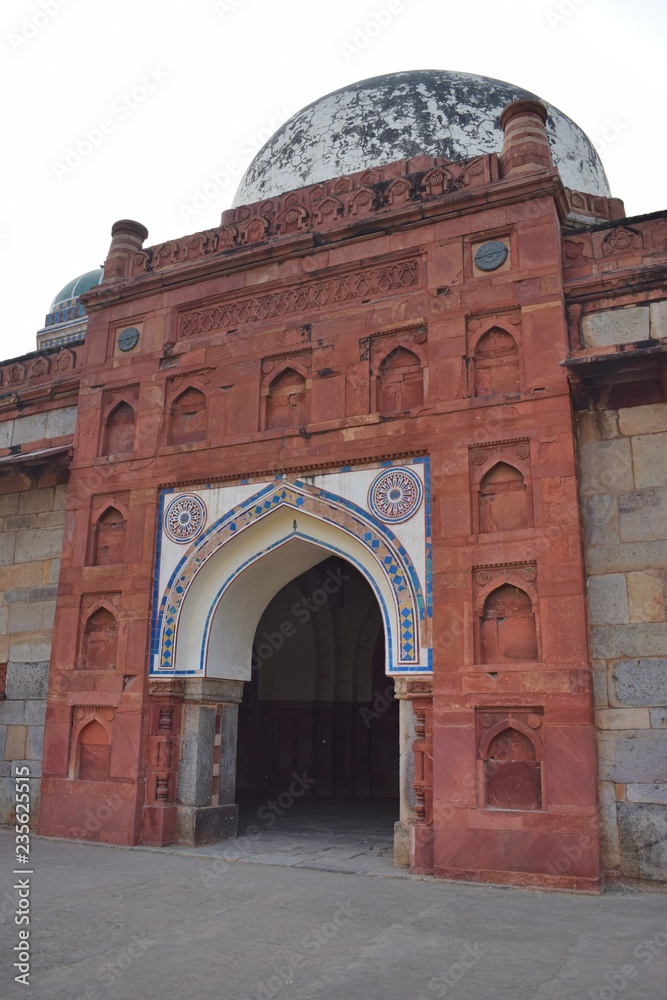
206, 824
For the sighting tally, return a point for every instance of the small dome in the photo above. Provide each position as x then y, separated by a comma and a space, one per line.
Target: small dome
77, 287
401, 115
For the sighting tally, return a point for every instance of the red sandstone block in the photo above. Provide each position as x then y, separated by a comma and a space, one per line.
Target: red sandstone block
571, 771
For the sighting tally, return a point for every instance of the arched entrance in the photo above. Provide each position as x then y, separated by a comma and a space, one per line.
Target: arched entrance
319, 707
214, 600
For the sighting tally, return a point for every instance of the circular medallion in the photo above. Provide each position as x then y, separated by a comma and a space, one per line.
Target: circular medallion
128, 339
534, 721
490, 256
487, 721
483, 578
522, 451
184, 518
395, 495
529, 573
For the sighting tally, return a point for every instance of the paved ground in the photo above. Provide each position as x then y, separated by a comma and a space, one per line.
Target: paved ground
159, 925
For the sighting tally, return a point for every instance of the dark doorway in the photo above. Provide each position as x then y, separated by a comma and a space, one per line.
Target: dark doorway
320, 707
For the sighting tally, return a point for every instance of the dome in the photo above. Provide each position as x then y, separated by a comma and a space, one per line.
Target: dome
77, 287
401, 115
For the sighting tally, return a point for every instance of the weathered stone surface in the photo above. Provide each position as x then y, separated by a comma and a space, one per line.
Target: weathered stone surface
12, 712
655, 792
599, 668
627, 557
643, 837
35, 501
645, 639
61, 422
638, 758
643, 419
606, 467
609, 822
648, 455
30, 651
196, 765
6, 431
9, 503
32, 617
7, 540
623, 718
15, 742
608, 599
643, 515
659, 718
659, 319
34, 713
641, 682
616, 326
37, 545
27, 680
26, 429
646, 597
35, 742
601, 521
29, 594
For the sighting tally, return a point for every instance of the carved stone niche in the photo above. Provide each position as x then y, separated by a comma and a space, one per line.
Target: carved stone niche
510, 758
501, 486
506, 613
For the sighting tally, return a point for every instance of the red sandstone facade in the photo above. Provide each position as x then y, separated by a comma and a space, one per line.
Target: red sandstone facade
337, 326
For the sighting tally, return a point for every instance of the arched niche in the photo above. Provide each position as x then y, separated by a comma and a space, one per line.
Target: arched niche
119, 430
508, 628
93, 750
188, 418
503, 500
287, 401
496, 363
99, 640
109, 538
400, 381
512, 771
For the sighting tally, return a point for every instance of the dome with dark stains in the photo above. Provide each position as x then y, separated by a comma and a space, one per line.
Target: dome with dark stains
393, 117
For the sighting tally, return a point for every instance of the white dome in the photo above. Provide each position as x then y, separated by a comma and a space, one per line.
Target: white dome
387, 118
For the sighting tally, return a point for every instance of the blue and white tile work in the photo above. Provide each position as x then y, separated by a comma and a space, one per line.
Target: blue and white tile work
221, 544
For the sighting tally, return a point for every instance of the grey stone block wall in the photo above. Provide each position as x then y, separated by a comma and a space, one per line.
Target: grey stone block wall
31, 530
624, 509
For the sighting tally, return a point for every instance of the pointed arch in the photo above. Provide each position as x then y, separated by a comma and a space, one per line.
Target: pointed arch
210, 609
400, 381
99, 639
119, 430
508, 627
496, 363
109, 538
287, 400
512, 770
188, 417
503, 499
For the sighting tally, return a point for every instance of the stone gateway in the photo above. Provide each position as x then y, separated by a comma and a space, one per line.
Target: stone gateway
360, 495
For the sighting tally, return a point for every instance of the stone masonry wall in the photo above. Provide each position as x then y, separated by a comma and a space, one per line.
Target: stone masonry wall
33, 499
624, 502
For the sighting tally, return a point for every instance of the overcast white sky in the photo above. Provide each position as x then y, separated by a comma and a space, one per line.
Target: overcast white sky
216, 74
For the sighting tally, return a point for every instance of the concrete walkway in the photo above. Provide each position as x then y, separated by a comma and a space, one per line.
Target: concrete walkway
145, 924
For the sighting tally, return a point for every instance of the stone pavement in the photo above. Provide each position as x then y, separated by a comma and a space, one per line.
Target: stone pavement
141, 924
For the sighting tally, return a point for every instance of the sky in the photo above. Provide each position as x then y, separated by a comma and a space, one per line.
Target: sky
166, 98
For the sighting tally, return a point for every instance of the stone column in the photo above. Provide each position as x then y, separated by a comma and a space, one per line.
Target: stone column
207, 772
526, 145
407, 691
